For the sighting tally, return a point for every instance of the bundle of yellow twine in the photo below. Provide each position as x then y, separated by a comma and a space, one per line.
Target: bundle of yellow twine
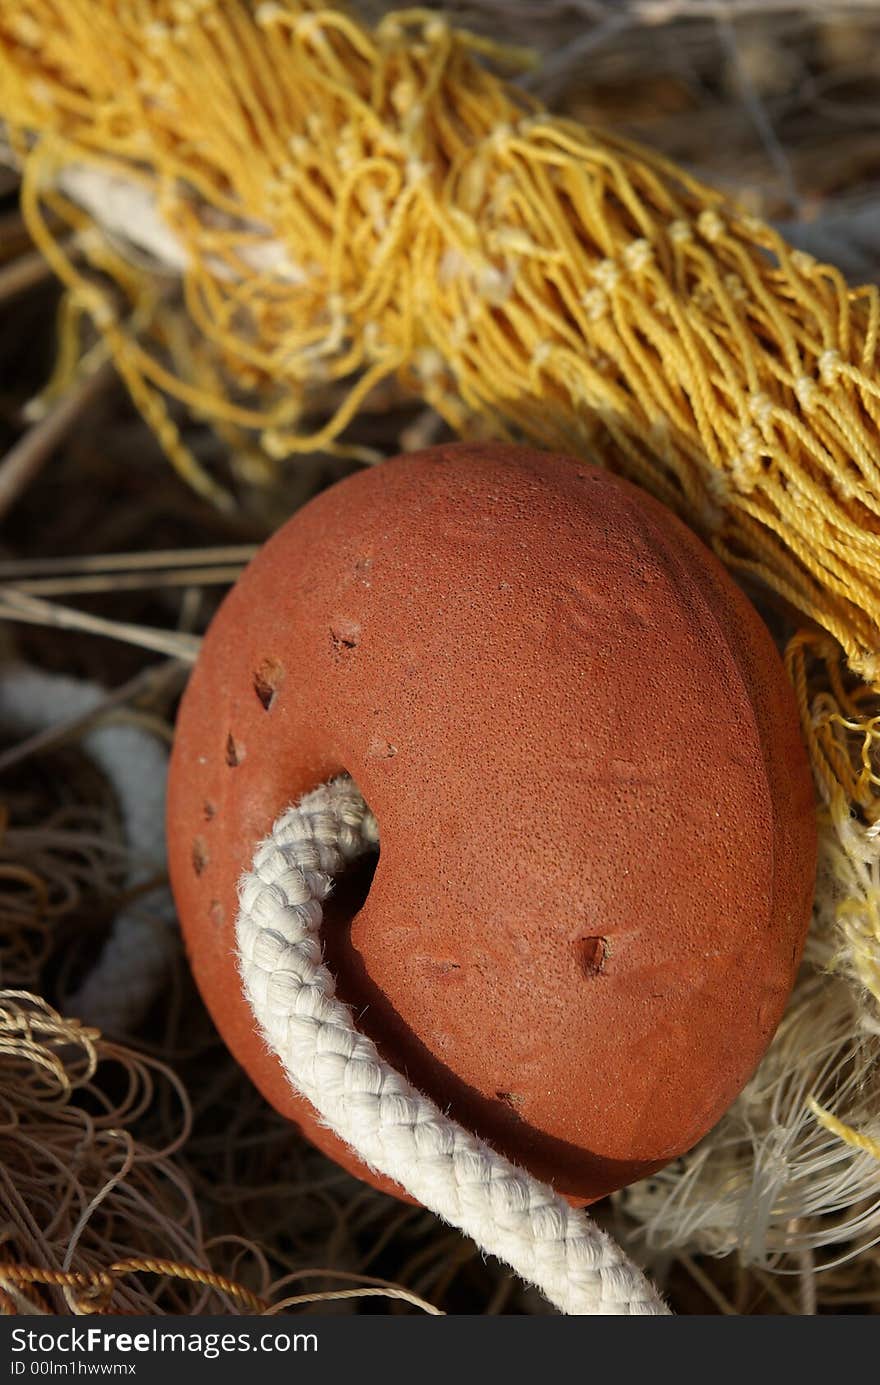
345, 206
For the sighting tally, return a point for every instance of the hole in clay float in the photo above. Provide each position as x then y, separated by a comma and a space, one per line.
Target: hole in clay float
440, 966
592, 954
200, 855
267, 680
234, 751
344, 635
511, 1099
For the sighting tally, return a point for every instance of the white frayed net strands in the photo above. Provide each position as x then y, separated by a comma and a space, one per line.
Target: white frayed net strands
394, 1128
772, 1182
793, 1168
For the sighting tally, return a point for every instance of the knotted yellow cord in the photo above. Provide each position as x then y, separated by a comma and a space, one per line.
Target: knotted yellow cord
351, 206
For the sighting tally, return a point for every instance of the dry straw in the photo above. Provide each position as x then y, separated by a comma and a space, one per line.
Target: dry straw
345, 206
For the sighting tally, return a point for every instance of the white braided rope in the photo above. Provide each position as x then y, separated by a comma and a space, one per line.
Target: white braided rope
395, 1130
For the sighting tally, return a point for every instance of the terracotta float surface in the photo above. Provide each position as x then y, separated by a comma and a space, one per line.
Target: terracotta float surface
596, 815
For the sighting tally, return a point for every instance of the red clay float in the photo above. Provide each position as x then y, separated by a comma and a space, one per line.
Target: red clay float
596, 814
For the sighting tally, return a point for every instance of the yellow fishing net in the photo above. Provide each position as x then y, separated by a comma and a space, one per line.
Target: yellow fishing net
343, 206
